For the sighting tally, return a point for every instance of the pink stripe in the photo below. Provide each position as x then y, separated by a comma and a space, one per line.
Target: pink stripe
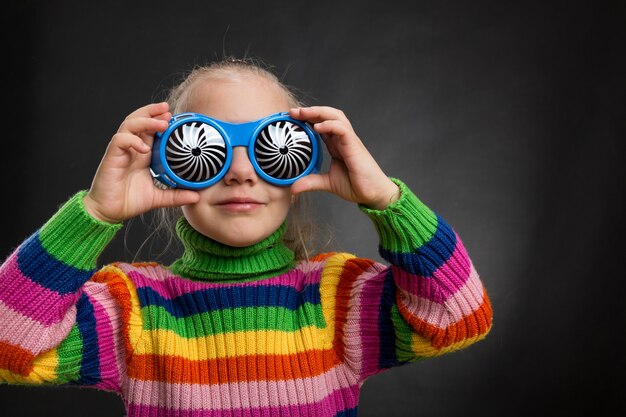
31, 299
33, 336
444, 282
311, 267
361, 333
170, 286
464, 303
241, 395
344, 399
369, 302
105, 313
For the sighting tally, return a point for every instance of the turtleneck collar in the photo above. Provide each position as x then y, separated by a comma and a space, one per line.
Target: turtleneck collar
209, 260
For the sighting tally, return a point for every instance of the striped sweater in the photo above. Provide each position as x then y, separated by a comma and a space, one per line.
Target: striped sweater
235, 332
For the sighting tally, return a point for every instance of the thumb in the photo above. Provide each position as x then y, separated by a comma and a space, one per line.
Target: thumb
311, 182
176, 198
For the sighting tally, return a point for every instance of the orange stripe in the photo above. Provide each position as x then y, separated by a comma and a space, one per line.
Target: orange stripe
470, 326
176, 369
119, 291
16, 359
321, 256
352, 269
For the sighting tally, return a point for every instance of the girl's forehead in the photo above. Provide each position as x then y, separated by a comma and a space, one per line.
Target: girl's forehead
238, 99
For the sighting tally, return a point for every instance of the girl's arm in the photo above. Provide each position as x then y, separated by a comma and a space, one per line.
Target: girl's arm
430, 299
59, 322
53, 327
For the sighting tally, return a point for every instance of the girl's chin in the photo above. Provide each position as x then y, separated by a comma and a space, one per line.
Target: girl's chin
239, 231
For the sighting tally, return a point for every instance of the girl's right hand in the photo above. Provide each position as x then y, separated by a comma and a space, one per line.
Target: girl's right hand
123, 186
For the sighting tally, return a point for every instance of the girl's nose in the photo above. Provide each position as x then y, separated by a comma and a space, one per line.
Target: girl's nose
241, 169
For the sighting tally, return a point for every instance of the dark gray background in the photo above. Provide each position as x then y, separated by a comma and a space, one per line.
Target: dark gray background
507, 118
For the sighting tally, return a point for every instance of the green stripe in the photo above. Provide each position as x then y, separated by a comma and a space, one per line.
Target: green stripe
69, 356
404, 333
74, 237
234, 320
404, 225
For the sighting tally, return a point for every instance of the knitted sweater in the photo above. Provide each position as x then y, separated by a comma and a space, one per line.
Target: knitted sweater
235, 332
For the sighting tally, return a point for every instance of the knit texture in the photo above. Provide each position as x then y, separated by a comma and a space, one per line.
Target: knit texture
286, 340
207, 259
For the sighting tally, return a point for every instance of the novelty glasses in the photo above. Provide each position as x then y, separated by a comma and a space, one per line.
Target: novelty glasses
195, 151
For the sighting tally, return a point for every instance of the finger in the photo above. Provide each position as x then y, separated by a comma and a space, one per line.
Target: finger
150, 110
121, 143
140, 125
331, 147
318, 114
312, 182
332, 128
164, 116
338, 136
156, 111
176, 198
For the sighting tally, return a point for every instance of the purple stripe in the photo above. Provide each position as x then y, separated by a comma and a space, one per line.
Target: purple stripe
31, 299
340, 400
444, 282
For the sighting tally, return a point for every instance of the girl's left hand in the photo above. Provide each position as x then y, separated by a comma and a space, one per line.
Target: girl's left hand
353, 174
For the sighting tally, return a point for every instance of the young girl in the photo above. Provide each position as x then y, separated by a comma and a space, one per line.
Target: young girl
237, 326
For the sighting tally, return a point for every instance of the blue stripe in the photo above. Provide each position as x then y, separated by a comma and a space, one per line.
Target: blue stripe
199, 302
430, 256
387, 357
90, 363
44, 269
351, 412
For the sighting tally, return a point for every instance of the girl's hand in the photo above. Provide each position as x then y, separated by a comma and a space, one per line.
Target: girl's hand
123, 186
353, 175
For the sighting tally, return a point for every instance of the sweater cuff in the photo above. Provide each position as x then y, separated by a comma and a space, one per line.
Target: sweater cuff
74, 237
404, 225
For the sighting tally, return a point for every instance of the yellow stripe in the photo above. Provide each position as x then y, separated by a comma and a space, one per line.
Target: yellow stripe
328, 291
44, 370
255, 342
422, 347
223, 345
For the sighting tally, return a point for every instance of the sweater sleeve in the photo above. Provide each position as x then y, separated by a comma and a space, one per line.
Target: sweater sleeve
428, 301
55, 327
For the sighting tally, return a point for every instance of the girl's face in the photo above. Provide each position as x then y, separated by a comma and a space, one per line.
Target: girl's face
241, 209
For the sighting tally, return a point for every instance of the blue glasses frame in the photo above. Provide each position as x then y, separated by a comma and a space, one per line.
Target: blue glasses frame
232, 134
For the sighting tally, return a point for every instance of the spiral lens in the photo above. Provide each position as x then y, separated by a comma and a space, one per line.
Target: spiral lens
283, 150
196, 151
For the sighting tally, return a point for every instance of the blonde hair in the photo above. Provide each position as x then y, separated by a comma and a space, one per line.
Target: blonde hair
300, 235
